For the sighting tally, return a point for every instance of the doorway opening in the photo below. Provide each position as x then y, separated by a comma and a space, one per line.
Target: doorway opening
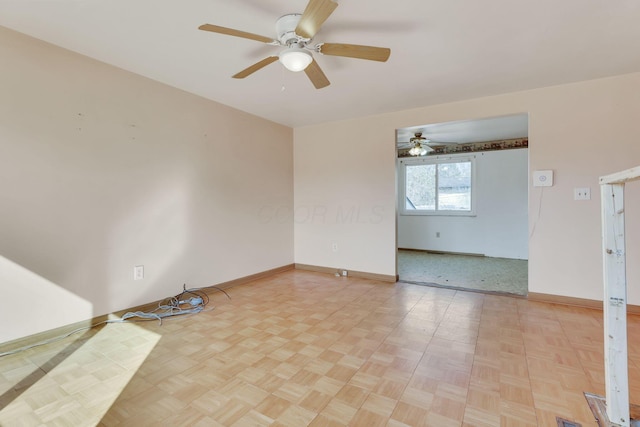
463, 204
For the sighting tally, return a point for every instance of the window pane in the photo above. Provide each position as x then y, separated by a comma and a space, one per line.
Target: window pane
420, 187
454, 186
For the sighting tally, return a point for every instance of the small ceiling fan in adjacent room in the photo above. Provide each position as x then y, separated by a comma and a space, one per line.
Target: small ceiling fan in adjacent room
418, 145
295, 33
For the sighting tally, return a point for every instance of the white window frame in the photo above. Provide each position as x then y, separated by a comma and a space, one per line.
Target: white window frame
402, 166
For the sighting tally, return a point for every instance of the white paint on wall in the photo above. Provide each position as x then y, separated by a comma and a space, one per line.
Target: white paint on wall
499, 228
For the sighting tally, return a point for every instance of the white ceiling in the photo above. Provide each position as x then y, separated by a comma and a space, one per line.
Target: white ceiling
467, 131
441, 51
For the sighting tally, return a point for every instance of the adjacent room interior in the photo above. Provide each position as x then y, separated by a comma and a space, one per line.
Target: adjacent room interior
463, 204
155, 158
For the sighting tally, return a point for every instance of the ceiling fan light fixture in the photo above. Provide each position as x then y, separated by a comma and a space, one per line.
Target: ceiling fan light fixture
418, 150
295, 59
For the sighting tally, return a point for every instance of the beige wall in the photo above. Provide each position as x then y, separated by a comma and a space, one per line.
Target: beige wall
581, 131
102, 170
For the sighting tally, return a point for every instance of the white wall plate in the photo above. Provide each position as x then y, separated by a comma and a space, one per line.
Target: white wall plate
543, 178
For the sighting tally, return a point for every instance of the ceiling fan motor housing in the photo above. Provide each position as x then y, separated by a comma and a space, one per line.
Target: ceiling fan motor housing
286, 29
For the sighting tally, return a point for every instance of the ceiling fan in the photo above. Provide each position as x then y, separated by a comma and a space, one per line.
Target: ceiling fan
295, 32
418, 145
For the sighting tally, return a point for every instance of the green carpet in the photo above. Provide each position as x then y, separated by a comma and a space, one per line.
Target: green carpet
477, 273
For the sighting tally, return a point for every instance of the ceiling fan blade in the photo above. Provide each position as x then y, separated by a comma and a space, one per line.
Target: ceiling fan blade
371, 53
235, 33
429, 142
314, 15
315, 74
255, 67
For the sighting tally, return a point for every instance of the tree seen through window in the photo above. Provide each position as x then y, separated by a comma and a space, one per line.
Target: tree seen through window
438, 186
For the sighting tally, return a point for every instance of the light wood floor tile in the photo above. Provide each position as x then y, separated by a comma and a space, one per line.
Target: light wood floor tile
303, 348
409, 414
339, 410
365, 418
380, 405
296, 416
324, 421
474, 417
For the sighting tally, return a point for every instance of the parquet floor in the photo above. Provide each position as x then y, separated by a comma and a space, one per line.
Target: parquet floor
304, 348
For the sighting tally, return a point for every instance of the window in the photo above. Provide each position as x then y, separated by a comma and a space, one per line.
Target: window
440, 186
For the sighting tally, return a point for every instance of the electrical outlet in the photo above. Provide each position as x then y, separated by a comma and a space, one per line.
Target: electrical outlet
582, 193
344, 273
334, 247
138, 272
